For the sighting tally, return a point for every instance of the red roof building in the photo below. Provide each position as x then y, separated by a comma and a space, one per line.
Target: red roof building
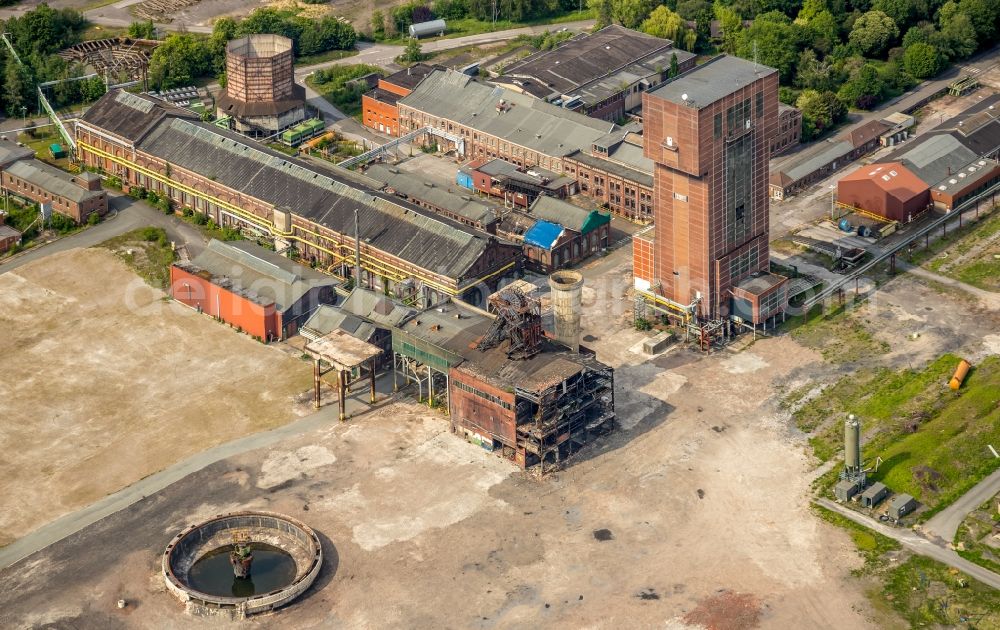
889, 190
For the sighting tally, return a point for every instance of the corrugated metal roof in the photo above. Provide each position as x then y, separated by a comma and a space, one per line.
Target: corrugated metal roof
543, 234
892, 177
809, 161
936, 157
428, 241
566, 214
595, 66
527, 121
375, 307
131, 116
258, 274
51, 179
413, 187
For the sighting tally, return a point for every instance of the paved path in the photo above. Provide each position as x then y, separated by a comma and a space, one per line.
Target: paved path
131, 215
987, 298
72, 523
945, 523
917, 544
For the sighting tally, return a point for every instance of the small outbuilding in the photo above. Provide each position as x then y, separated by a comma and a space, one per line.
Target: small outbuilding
433, 28
888, 190
847, 488
901, 505
874, 494
57, 151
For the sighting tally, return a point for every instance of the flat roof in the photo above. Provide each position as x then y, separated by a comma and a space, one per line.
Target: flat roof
342, 349
711, 81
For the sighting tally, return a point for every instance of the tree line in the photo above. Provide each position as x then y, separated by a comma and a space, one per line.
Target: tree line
183, 57
832, 55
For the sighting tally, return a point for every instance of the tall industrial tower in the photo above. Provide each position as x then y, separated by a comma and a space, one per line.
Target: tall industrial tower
707, 132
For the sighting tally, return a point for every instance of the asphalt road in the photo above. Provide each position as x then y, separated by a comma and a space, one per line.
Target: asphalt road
945, 523
917, 544
129, 215
71, 523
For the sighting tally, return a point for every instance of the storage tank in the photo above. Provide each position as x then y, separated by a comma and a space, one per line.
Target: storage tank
428, 29
852, 444
567, 300
960, 373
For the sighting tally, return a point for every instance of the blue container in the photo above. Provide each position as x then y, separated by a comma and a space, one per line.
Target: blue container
846, 226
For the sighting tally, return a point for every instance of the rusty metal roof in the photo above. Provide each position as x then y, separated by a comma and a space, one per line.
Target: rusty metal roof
341, 349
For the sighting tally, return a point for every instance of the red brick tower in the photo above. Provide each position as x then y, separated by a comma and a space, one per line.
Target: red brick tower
708, 133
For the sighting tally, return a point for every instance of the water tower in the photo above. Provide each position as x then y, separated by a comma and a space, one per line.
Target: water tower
261, 95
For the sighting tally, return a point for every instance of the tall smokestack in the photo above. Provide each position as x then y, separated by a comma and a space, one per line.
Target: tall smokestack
567, 299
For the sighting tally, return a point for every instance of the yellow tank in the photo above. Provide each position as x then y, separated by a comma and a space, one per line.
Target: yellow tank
960, 373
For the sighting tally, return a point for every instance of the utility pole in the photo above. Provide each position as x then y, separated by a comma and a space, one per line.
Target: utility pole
357, 251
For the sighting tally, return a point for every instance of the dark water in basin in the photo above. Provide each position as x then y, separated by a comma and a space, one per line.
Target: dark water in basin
272, 569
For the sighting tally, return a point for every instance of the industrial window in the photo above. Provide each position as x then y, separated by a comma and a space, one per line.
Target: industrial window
718, 125
760, 104
481, 394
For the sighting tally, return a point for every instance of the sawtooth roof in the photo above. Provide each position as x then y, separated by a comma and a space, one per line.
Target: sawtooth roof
526, 121
594, 66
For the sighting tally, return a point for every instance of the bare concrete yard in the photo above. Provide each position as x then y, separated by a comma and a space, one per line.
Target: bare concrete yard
103, 382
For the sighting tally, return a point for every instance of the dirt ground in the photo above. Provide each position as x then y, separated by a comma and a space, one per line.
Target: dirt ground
105, 382
693, 515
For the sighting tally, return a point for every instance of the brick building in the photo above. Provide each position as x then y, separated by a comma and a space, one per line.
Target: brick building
616, 173
405, 250
708, 132
789, 129
455, 203
493, 122
533, 411
602, 75
9, 237
265, 294
556, 234
517, 187
75, 195
379, 109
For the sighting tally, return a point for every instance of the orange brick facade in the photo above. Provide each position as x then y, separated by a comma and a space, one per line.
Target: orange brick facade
642, 258
199, 292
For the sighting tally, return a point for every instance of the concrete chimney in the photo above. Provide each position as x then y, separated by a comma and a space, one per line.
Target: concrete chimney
567, 299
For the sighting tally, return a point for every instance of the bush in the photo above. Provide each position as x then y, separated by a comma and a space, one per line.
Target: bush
200, 219
61, 223
93, 219
641, 323
151, 234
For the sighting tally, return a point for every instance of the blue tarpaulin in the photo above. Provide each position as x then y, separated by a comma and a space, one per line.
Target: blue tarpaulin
543, 234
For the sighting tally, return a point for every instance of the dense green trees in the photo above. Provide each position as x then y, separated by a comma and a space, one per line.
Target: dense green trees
922, 60
142, 30
184, 57
663, 22
873, 32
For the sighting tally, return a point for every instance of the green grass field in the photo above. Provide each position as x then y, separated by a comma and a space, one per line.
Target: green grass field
146, 251
923, 592
981, 269
932, 440
973, 533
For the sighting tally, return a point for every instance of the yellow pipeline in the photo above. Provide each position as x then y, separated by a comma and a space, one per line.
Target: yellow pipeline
375, 265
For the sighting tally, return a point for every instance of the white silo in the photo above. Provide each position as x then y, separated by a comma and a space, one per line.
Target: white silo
567, 301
